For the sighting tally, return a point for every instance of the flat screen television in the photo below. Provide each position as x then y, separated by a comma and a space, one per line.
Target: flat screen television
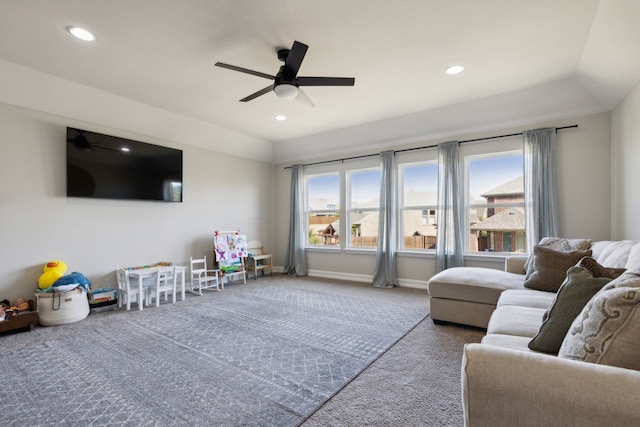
109, 167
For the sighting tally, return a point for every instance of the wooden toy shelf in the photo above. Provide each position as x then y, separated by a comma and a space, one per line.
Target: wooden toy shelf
20, 322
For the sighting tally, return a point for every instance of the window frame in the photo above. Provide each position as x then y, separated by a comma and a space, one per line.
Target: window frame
468, 205
350, 210
401, 208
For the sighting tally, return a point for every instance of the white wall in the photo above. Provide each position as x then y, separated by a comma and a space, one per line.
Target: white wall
38, 223
584, 175
625, 149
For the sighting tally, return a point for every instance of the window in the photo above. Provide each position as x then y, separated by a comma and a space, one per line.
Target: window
323, 209
419, 190
495, 200
364, 205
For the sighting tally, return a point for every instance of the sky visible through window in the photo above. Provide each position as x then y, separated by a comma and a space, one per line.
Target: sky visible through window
485, 173
422, 177
325, 187
365, 185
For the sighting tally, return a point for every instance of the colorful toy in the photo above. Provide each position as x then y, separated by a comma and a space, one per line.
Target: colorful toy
55, 265
53, 271
22, 304
71, 281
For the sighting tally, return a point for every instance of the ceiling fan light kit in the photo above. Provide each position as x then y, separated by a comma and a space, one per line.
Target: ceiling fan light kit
286, 91
286, 83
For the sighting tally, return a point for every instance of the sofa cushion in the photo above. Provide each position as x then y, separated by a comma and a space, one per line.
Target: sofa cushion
526, 298
608, 330
483, 285
558, 244
613, 254
513, 342
577, 289
550, 267
515, 320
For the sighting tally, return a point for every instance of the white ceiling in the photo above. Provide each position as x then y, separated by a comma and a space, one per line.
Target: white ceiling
524, 60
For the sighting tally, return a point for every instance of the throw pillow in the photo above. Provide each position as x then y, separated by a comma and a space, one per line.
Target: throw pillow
558, 244
577, 289
626, 280
598, 270
550, 268
607, 331
633, 262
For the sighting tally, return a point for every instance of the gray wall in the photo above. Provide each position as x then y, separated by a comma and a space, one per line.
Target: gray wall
625, 138
38, 223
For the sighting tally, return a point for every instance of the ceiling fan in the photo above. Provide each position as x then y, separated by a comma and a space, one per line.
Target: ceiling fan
286, 83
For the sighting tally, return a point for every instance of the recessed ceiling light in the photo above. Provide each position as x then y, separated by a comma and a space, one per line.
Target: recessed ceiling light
280, 117
81, 33
125, 149
454, 69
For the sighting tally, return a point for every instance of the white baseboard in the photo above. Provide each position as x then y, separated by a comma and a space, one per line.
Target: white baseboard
364, 278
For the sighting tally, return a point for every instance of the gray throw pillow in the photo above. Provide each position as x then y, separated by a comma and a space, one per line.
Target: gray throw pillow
550, 268
558, 244
577, 289
607, 331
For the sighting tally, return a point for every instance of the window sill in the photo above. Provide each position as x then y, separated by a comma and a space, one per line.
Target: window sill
361, 251
322, 249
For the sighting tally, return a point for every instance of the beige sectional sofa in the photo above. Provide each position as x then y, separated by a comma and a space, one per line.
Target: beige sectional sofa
594, 380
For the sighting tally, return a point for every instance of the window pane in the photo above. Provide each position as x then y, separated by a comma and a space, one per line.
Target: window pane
364, 203
365, 188
323, 192
420, 185
323, 204
496, 197
419, 202
323, 229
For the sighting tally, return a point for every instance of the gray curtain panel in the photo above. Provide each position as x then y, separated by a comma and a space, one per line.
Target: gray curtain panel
296, 261
385, 275
540, 185
449, 250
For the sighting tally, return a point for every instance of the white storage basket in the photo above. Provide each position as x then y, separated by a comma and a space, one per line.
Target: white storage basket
60, 308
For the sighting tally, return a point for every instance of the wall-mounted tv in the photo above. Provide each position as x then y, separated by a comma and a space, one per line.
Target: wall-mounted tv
108, 167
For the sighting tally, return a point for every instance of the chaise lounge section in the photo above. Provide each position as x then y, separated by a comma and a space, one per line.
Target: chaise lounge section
469, 295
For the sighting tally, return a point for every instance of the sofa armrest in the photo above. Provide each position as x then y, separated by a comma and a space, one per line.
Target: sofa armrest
501, 386
515, 263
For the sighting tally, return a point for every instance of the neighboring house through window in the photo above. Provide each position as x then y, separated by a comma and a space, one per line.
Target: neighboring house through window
342, 205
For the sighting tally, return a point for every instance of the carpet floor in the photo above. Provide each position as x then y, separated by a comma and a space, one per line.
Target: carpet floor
415, 383
265, 354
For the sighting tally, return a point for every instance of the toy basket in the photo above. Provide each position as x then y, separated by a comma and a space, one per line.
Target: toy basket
60, 308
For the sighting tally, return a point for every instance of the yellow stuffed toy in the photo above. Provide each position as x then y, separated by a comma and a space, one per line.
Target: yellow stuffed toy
53, 270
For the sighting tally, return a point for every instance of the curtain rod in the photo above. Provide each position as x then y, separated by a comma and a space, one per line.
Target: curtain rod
423, 148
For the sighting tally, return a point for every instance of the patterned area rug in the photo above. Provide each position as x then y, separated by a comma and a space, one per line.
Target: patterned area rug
265, 354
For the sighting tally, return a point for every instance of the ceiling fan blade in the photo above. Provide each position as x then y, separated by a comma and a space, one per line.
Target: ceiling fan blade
257, 94
244, 70
294, 60
326, 81
304, 99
